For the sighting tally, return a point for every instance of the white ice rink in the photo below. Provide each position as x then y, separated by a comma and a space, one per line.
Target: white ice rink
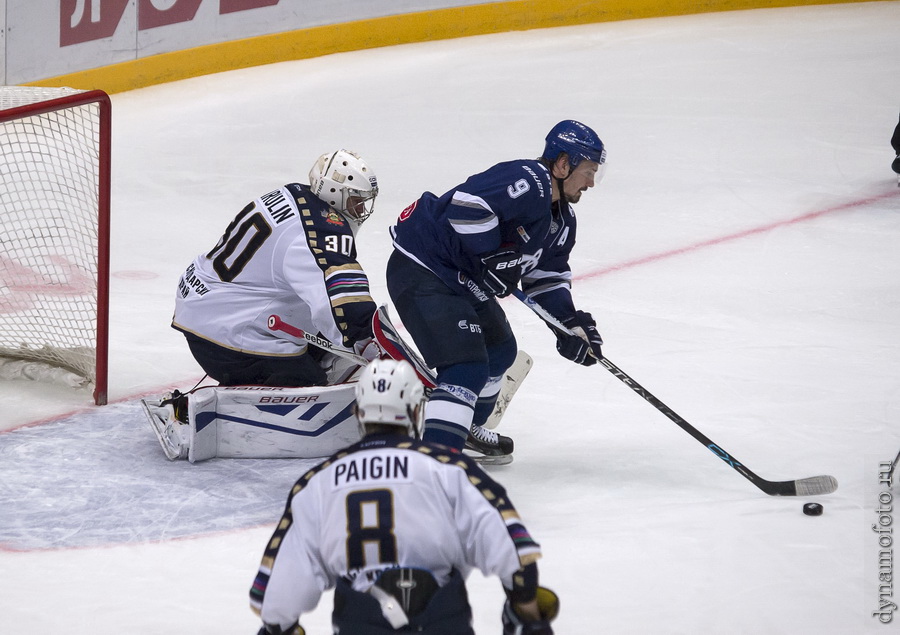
742, 258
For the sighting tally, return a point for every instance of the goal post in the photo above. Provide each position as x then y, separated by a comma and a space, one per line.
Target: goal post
55, 147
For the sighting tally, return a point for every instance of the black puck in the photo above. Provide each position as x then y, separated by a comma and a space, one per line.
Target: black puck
813, 509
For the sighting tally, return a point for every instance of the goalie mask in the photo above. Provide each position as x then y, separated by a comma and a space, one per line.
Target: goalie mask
390, 393
345, 182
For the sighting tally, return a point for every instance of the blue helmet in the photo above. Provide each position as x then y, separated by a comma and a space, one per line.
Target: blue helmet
577, 141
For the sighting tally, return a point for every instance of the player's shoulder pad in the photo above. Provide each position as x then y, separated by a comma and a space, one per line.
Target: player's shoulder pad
477, 477
439, 453
316, 213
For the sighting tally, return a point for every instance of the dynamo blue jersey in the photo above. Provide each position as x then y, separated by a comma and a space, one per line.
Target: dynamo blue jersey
508, 205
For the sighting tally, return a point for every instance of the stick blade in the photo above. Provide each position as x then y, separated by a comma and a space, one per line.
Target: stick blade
812, 486
816, 485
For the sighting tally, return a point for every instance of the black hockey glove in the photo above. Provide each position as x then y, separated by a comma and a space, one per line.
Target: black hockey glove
502, 270
548, 606
271, 629
583, 345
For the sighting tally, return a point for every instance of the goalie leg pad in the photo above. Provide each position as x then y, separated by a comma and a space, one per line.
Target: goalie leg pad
512, 379
257, 422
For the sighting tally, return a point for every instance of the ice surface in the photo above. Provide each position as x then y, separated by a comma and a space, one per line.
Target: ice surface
740, 257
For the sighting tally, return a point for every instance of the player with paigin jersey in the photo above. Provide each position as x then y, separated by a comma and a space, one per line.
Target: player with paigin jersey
455, 254
396, 525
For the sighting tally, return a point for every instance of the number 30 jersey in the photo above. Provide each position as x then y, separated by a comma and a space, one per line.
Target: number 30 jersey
289, 254
387, 501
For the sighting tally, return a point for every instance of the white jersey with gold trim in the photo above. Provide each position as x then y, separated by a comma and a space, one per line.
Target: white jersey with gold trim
387, 501
288, 254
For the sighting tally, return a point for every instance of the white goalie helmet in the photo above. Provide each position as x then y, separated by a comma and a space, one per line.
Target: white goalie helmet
389, 393
345, 182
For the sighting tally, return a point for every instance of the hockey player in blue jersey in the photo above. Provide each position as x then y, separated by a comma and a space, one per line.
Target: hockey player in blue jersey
455, 254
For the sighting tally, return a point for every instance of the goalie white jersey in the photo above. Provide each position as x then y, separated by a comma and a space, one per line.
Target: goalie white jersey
384, 502
287, 254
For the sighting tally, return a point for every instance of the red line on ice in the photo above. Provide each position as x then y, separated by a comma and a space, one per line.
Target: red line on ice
736, 236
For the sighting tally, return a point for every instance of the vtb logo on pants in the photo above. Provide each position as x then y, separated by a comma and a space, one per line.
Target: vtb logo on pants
468, 326
87, 20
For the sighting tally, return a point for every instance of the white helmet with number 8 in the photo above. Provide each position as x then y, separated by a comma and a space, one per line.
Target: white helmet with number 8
389, 393
345, 182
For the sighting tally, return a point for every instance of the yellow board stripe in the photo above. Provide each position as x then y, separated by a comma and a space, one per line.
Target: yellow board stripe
441, 24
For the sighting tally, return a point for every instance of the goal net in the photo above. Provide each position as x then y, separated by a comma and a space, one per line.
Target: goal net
54, 229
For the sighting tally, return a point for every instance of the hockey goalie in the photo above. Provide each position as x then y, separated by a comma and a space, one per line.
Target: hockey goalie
279, 314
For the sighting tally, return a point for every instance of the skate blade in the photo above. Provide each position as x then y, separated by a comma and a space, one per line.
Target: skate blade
484, 459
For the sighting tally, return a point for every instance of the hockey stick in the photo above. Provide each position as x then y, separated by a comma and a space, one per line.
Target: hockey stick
893, 469
277, 324
811, 486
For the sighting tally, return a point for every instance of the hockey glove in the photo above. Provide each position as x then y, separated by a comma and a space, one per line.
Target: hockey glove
367, 348
583, 345
272, 629
547, 606
502, 270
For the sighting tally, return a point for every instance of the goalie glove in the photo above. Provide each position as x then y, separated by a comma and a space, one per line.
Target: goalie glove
547, 606
583, 345
367, 348
502, 270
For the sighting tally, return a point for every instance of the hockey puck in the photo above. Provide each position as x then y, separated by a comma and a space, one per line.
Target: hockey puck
813, 509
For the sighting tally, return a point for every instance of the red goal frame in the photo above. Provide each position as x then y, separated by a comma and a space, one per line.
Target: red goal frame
104, 104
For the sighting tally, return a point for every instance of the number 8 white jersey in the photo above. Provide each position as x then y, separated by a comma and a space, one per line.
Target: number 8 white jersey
288, 254
387, 501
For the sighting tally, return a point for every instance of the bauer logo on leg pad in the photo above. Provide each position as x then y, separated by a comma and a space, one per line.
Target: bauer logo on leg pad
263, 422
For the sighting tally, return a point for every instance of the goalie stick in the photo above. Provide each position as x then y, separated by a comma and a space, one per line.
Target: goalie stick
811, 486
277, 324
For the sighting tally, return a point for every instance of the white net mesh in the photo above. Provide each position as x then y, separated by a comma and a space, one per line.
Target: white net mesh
49, 191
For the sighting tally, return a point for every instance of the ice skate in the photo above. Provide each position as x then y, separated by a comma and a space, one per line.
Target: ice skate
489, 448
168, 417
